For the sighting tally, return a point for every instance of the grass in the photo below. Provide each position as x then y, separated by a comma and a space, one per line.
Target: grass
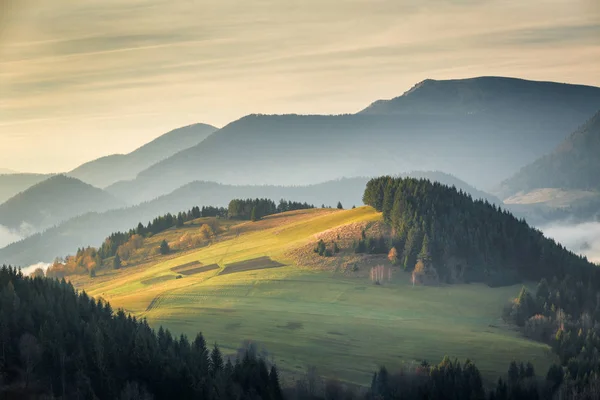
249, 265
305, 314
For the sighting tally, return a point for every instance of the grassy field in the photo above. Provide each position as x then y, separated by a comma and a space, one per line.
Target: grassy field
308, 314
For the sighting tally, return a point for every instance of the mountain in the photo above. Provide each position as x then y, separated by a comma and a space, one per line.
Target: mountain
481, 130
6, 171
78, 231
514, 97
12, 184
52, 201
572, 167
110, 169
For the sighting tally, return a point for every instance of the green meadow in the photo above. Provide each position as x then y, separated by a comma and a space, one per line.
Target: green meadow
305, 315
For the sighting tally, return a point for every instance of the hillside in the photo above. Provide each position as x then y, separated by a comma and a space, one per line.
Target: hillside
573, 166
262, 281
76, 232
483, 144
12, 184
52, 201
110, 169
449, 237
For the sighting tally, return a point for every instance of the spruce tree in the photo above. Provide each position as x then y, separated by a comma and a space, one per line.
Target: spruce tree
164, 247
117, 262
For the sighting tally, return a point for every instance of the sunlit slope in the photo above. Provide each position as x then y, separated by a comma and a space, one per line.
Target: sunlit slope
310, 315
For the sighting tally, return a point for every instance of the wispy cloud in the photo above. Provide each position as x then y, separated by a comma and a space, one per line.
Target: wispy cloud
66, 62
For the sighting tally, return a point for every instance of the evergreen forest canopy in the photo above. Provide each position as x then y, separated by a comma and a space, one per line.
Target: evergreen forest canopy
463, 240
60, 343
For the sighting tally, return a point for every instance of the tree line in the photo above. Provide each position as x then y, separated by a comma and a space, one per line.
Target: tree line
255, 209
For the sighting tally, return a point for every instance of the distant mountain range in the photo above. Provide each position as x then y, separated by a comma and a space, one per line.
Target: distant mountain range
93, 227
5, 171
117, 167
481, 130
52, 201
12, 184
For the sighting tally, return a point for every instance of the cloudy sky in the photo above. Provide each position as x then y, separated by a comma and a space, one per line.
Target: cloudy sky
85, 78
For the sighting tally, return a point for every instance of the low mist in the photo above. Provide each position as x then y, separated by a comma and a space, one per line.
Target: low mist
8, 236
583, 238
29, 270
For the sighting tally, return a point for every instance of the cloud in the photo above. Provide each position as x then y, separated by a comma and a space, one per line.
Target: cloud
8, 236
581, 238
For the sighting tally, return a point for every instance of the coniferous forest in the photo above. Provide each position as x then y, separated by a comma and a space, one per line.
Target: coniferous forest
466, 240
57, 343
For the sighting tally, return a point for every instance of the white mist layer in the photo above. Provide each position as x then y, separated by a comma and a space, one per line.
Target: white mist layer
29, 270
581, 238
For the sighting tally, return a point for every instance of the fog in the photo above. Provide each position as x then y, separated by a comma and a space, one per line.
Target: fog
8, 236
29, 270
583, 238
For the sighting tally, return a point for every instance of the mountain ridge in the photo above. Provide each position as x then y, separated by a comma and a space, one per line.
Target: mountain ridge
109, 169
432, 134
62, 198
573, 165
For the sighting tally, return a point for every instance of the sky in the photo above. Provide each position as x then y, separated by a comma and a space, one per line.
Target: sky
80, 79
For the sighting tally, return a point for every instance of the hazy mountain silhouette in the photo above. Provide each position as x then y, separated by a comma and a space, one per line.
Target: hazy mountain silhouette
573, 165
11, 184
110, 169
52, 201
92, 228
481, 130
6, 171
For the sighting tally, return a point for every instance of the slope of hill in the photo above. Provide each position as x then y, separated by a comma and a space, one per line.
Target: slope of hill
12, 184
457, 239
478, 141
573, 166
264, 277
110, 169
76, 232
52, 201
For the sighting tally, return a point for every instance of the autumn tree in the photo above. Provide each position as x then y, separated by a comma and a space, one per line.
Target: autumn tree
393, 256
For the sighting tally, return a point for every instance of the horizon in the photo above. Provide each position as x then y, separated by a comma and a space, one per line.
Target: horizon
104, 78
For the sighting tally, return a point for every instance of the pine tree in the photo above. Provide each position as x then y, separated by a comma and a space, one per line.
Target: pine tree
254, 214
424, 254
117, 262
164, 247
339, 205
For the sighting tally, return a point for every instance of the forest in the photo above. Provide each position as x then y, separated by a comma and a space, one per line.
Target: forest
459, 239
